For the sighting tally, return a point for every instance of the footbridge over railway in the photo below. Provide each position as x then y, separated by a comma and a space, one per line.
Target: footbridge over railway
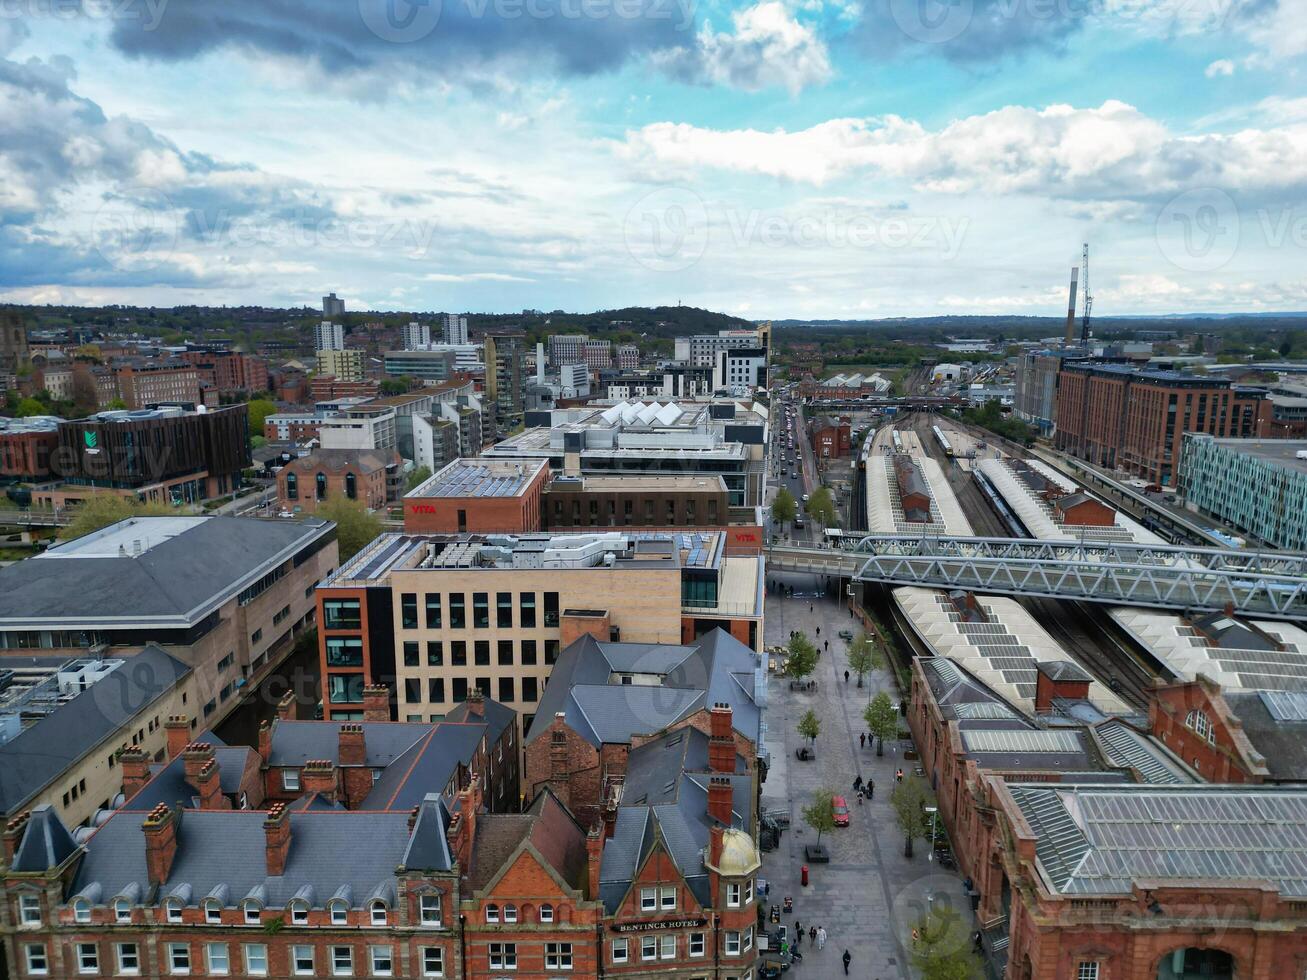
1257, 584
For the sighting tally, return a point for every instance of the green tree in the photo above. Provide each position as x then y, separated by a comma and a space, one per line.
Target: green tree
810, 725
909, 801
355, 527
1287, 343
783, 507
821, 507
259, 409
942, 949
820, 813
118, 405
28, 407
396, 386
102, 509
864, 656
801, 659
416, 476
882, 720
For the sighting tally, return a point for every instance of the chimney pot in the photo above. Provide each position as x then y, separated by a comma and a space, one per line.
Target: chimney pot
160, 829
276, 829
14, 831
178, 731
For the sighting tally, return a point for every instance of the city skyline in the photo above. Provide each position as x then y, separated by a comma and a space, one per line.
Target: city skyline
803, 160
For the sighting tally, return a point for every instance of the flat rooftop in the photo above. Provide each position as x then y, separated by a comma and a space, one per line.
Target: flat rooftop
480, 477
1281, 452
639, 481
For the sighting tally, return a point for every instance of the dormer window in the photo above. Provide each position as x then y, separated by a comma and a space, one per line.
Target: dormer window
212, 912
122, 910
172, 910
253, 913
429, 910
379, 913
29, 910
299, 913
81, 910
339, 913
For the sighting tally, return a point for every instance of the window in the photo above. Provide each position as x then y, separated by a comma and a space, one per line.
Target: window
253, 913
505, 690
408, 611
299, 912
551, 651
696, 944
551, 609
129, 959
733, 893
460, 690
492, 913
732, 943
504, 610
257, 635
546, 913
748, 892
667, 946
648, 899
88, 958
748, 939
81, 910
510, 913
481, 653
621, 950
345, 688
38, 964
410, 653
458, 653
433, 610
433, 961
648, 947
256, 959
1201, 724
122, 910
341, 614
558, 956
526, 610
378, 913
351, 486
1087, 971
457, 616
29, 910
481, 610
504, 656
342, 961
429, 910
383, 963
339, 913
435, 653
179, 958
212, 911
301, 958
172, 910
503, 956
216, 955
530, 689
292, 487
290, 780
321, 483
436, 690
667, 894
528, 653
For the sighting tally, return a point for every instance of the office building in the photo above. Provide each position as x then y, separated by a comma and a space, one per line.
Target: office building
437, 616
408, 407
740, 369
343, 365
27, 446
328, 336
436, 364
365, 425
415, 335
477, 495
331, 306
701, 350
1256, 486
598, 354
628, 357
453, 328
566, 349
144, 383
1134, 420
454, 428
505, 370
225, 596
574, 503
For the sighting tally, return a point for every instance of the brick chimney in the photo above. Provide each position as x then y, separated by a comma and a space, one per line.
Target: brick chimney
286, 706
463, 825
276, 830
351, 746
376, 703
135, 767
178, 728
1059, 679
721, 743
265, 740
201, 767
476, 703
559, 776
14, 831
721, 798
319, 776
716, 837
594, 853
160, 829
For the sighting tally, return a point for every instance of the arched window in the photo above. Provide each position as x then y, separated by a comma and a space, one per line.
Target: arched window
292, 487
81, 910
122, 910
339, 912
546, 913
351, 486
379, 912
212, 911
253, 913
172, 910
299, 912
492, 913
510, 913
322, 486
1201, 724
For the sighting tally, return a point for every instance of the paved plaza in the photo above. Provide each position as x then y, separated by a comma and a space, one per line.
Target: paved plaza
869, 896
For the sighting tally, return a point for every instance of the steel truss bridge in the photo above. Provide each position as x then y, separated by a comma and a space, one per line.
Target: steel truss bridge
1259, 584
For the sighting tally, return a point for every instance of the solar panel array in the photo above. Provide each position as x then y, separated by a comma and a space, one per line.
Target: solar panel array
1021, 740
479, 480
1285, 705
1274, 670
1001, 650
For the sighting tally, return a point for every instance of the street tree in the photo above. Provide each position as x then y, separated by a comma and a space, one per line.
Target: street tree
810, 725
882, 720
259, 409
801, 659
909, 801
416, 477
355, 526
783, 507
820, 813
942, 947
864, 656
821, 507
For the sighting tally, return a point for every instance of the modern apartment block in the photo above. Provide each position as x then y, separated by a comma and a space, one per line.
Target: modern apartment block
1035, 397
628, 357
1135, 420
701, 350
566, 349
230, 372
415, 335
1257, 486
332, 306
344, 364
453, 328
437, 616
505, 379
328, 335
225, 596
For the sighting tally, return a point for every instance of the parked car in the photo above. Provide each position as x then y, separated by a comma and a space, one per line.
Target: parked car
840, 807
846, 634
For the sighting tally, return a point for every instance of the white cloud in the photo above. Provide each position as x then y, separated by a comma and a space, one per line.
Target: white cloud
473, 277
1221, 67
768, 47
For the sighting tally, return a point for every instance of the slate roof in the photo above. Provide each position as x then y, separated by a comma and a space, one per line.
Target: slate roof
42, 753
225, 849
1282, 744
496, 717
169, 786
179, 579
296, 742
716, 669
427, 767
46, 843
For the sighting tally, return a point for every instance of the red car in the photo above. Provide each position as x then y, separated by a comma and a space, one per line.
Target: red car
841, 810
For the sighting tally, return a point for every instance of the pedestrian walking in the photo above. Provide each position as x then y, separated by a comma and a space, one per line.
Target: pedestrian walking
819, 631
812, 933
848, 958
798, 933
898, 775
870, 788
821, 937
846, 677
859, 797
862, 740
857, 783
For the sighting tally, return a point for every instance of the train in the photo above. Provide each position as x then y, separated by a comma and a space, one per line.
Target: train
898, 441
942, 439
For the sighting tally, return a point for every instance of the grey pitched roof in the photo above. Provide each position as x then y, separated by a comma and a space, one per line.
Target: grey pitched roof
178, 580
168, 785
46, 842
495, 716
296, 742
328, 849
1282, 744
39, 755
426, 767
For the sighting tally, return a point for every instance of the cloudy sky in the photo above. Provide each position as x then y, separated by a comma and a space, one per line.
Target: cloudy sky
778, 158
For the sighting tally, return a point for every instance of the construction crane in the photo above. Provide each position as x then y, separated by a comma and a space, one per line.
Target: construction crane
1089, 299
1071, 308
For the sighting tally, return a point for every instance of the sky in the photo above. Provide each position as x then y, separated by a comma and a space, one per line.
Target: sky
765, 158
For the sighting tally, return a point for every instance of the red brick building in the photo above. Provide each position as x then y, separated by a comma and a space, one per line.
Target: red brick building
145, 383
26, 446
480, 496
1121, 417
356, 474
831, 437
230, 372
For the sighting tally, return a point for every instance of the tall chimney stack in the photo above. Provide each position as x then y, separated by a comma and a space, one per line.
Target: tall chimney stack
178, 728
160, 829
1071, 306
721, 799
276, 829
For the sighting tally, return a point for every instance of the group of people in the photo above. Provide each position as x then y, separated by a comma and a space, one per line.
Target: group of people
817, 936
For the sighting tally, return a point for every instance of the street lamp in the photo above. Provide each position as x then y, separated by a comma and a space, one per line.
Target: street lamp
932, 810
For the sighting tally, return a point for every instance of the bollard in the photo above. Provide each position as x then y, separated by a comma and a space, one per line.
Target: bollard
803, 875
